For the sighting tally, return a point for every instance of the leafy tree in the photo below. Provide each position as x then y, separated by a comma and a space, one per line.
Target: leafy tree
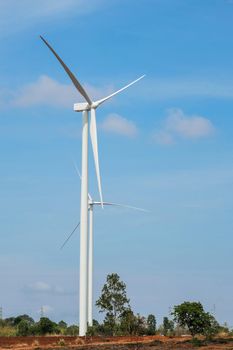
97, 329
212, 326
141, 326
62, 324
113, 301
192, 316
168, 326
46, 326
151, 324
9, 321
61, 327
24, 317
128, 322
72, 330
23, 328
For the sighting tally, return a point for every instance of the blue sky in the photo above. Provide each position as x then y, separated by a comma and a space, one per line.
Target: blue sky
165, 145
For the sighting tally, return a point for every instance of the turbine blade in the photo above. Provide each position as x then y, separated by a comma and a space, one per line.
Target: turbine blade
70, 235
74, 80
77, 171
79, 174
121, 205
93, 134
97, 103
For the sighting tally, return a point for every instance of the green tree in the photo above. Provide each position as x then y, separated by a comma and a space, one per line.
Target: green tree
72, 330
62, 324
141, 327
61, 327
128, 322
212, 326
151, 324
24, 317
113, 301
10, 321
192, 316
168, 326
23, 328
46, 326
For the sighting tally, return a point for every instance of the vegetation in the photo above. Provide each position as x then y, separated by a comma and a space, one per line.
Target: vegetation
119, 319
24, 325
168, 326
114, 302
193, 316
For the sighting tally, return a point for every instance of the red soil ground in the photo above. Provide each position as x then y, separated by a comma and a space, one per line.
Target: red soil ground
99, 343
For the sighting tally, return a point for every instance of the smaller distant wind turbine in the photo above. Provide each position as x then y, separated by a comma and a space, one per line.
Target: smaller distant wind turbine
91, 204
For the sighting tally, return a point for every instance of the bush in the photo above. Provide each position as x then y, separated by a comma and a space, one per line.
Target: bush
23, 328
197, 342
46, 326
72, 330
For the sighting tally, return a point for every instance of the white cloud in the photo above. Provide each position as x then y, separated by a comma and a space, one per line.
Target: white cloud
116, 124
49, 92
45, 288
97, 93
178, 124
162, 137
188, 126
39, 287
45, 91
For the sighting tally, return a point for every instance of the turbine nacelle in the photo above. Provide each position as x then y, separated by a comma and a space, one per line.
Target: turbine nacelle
84, 106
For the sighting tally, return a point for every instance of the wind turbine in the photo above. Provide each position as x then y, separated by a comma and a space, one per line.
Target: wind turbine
91, 204
85, 107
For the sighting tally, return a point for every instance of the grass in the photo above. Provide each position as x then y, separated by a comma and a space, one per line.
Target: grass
7, 331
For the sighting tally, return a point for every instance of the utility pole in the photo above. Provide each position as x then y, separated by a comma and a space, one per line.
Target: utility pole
0, 312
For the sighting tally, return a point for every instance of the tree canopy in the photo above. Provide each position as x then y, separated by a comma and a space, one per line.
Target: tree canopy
193, 316
113, 300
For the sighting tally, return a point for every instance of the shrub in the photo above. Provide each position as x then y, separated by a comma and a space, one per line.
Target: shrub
23, 328
61, 342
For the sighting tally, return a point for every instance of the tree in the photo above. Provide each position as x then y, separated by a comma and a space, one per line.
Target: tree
168, 326
193, 316
151, 324
23, 328
46, 326
113, 301
24, 317
61, 327
72, 330
62, 324
212, 326
140, 325
128, 322
10, 321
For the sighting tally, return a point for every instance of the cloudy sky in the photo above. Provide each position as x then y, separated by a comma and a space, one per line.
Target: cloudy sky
165, 145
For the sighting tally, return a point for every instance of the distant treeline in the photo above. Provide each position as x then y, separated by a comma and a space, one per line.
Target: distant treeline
186, 318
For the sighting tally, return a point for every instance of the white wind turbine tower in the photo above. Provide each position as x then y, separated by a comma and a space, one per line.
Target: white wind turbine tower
91, 204
85, 107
